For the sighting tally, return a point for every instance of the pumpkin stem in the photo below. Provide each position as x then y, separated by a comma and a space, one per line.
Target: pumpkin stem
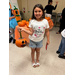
20, 35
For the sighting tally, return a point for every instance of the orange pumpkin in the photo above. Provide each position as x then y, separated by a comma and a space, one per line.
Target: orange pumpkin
29, 19
27, 23
21, 24
16, 12
21, 42
24, 21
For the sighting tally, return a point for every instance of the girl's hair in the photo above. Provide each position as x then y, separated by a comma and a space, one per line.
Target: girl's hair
50, 1
41, 7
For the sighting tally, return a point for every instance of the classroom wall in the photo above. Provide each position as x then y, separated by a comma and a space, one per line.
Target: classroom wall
29, 4
14, 3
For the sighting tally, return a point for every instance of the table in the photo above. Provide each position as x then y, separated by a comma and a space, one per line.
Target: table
25, 35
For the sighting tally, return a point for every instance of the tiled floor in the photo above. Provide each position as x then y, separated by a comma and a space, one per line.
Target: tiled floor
20, 58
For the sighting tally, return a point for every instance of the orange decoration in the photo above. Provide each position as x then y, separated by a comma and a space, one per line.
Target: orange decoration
24, 21
21, 24
21, 42
10, 5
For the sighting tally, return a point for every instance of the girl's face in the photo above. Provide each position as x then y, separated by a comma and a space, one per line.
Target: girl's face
38, 13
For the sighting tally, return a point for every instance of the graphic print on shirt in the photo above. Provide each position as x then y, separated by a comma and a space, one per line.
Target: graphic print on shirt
38, 31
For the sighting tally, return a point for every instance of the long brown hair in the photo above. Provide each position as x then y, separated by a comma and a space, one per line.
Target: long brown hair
41, 7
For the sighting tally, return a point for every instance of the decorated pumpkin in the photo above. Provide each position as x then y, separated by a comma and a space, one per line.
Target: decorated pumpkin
16, 12
21, 42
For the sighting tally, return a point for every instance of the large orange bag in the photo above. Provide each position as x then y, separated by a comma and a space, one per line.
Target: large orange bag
51, 24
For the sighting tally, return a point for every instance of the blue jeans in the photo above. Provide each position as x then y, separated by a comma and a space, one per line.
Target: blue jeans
62, 46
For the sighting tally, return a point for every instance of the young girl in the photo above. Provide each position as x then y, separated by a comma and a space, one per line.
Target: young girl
38, 26
12, 24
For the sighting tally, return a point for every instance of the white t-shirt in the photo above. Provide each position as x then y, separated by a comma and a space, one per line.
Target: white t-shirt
38, 29
63, 33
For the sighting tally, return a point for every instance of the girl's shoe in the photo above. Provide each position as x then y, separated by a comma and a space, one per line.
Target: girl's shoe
37, 64
34, 65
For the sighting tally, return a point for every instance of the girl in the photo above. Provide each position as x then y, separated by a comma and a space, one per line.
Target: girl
38, 26
12, 24
49, 8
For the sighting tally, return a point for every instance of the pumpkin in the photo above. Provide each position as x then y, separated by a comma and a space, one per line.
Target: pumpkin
16, 12
21, 42
27, 23
21, 24
24, 21
29, 19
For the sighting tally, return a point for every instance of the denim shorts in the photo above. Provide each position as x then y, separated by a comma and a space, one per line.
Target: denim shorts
33, 44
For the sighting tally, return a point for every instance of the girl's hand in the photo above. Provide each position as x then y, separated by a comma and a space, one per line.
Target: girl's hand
48, 42
10, 18
21, 29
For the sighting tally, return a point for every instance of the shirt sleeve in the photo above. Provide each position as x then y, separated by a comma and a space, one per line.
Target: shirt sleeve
30, 24
47, 24
63, 33
54, 7
45, 7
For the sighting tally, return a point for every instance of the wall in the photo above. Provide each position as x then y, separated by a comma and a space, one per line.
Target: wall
29, 4
14, 3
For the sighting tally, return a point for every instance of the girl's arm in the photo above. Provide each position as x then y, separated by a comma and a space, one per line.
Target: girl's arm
12, 16
30, 31
47, 34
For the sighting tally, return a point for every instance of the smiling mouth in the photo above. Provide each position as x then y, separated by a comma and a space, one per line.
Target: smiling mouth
23, 45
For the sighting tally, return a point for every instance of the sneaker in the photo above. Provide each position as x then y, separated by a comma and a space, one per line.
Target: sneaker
10, 39
57, 52
61, 56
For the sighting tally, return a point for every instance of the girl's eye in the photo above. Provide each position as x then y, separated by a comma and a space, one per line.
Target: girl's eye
39, 11
35, 11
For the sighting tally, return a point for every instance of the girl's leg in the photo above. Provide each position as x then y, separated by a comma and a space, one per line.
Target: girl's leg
32, 54
37, 54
